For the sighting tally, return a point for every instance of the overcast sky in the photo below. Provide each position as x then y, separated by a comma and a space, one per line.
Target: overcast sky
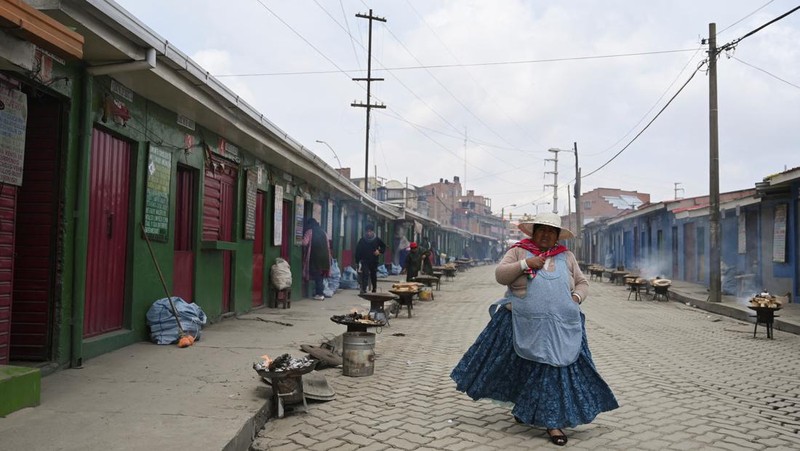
481, 89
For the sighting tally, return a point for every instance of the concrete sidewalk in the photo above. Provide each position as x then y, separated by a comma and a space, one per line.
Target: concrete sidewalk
208, 396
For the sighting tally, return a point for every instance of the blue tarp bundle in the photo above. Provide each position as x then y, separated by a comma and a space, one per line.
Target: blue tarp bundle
349, 279
164, 328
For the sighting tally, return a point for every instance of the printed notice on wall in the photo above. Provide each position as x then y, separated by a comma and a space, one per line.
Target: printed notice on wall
779, 240
250, 205
13, 119
156, 207
299, 218
277, 218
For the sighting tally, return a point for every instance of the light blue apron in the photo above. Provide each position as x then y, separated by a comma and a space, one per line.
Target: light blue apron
547, 322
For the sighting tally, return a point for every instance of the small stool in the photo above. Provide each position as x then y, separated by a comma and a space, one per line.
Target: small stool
283, 298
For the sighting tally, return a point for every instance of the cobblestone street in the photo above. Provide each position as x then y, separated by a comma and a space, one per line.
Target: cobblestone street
684, 378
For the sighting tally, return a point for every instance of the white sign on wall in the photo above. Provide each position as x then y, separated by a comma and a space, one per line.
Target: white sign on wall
277, 219
13, 122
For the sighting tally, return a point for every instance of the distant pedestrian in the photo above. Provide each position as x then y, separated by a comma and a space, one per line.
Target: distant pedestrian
368, 251
413, 262
316, 257
534, 352
427, 256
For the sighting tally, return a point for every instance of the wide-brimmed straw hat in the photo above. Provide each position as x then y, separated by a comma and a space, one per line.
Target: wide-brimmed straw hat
548, 219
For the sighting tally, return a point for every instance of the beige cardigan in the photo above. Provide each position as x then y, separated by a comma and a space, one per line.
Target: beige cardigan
509, 273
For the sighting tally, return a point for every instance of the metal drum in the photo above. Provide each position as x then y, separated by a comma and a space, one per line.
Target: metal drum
358, 354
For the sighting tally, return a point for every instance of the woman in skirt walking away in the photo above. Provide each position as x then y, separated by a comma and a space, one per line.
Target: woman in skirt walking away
534, 352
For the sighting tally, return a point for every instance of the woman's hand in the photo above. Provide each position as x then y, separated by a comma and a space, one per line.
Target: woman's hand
536, 263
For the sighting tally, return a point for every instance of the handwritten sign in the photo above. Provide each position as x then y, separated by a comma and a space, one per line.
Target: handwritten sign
250, 205
13, 120
156, 207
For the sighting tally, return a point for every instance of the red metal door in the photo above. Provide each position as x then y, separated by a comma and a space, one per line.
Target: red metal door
8, 202
258, 252
218, 220
183, 269
37, 220
108, 234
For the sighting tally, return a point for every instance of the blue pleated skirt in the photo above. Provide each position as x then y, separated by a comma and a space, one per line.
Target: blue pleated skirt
543, 395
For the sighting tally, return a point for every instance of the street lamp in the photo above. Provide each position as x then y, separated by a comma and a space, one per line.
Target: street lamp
334, 152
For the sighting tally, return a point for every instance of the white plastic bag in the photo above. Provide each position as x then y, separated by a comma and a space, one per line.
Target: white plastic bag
281, 274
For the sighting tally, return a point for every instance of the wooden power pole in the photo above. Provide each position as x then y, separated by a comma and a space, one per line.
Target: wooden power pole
369, 106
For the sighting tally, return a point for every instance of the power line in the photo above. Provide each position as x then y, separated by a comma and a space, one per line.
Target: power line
736, 42
766, 72
444, 66
648, 124
727, 46
745, 17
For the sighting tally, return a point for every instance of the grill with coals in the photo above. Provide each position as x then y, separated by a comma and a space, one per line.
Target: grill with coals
285, 374
357, 322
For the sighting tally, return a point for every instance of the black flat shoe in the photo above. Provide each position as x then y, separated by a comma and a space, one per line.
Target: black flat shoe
557, 437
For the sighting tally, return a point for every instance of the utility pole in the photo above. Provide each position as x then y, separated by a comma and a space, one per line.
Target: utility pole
715, 282
555, 178
578, 220
369, 106
678, 188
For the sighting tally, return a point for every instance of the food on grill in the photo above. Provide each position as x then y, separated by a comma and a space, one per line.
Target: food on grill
658, 282
406, 286
356, 318
765, 299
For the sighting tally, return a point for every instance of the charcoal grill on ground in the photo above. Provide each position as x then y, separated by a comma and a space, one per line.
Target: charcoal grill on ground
404, 298
285, 374
660, 288
376, 307
428, 281
596, 272
765, 306
765, 316
635, 286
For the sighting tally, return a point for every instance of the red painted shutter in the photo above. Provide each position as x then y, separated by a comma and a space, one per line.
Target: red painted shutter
218, 198
183, 269
108, 234
37, 227
8, 202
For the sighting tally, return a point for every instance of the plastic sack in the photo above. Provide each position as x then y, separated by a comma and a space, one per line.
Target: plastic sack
382, 272
281, 274
164, 328
332, 282
395, 269
349, 279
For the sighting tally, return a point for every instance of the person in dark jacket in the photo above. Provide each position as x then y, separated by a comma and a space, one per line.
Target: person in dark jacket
316, 257
368, 251
413, 262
